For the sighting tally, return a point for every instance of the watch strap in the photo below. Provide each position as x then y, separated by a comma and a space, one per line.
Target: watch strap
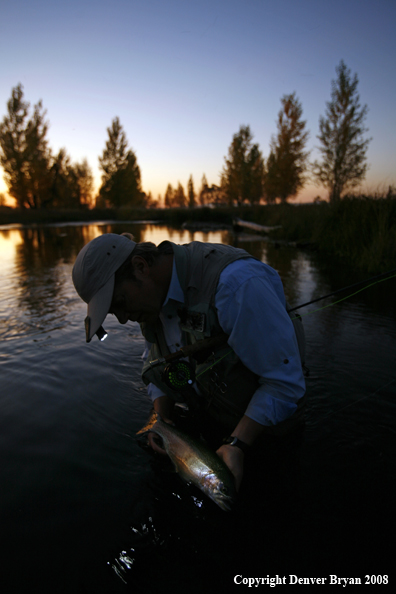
234, 441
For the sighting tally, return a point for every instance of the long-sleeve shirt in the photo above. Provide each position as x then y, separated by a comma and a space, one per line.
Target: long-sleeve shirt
251, 309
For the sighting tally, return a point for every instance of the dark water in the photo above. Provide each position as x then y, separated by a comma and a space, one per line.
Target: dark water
85, 508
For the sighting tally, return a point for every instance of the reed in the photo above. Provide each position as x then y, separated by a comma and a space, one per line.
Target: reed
360, 230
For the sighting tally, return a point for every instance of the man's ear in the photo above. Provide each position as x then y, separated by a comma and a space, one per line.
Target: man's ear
128, 235
140, 265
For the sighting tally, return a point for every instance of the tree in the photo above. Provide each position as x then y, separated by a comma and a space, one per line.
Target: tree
213, 195
71, 185
64, 190
150, 202
271, 179
24, 155
168, 196
242, 176
121, 180
84, 177
190, 192
287, 162
179, 198
202, 193
343, 146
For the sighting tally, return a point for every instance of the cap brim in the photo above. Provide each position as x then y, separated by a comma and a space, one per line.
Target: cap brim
98, 307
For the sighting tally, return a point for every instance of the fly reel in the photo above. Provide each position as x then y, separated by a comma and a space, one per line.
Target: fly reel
178, 375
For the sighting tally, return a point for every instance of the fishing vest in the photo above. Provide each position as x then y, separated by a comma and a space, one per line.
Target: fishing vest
224, 383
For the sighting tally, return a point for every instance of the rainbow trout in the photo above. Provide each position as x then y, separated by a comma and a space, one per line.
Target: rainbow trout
195, 462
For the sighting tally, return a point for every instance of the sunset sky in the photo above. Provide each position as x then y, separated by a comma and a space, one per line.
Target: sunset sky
182, 76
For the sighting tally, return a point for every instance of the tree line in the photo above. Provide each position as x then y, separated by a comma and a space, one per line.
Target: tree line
37, 178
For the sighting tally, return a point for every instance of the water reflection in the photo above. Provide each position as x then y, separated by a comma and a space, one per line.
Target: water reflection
33, 285
37, 262
35, 277
35, 289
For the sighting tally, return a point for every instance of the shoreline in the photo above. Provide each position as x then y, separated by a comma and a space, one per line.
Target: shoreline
359, 230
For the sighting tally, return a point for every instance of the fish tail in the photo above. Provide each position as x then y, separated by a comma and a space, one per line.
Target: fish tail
154, 418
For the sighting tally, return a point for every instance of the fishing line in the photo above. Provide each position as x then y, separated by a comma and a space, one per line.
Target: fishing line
377, 279
331, 414
379, 276
215, 363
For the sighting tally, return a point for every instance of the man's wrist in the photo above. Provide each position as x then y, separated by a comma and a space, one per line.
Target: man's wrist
238, 443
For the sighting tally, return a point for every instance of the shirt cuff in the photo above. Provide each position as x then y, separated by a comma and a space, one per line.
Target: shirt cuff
268, 410
154, 392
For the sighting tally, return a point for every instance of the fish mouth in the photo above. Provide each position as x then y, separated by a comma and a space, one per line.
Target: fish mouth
225, 506
224, 502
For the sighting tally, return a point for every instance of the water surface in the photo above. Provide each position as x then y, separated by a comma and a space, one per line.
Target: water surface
85, 508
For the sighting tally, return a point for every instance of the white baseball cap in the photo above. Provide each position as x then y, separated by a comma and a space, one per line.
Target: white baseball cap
93, 275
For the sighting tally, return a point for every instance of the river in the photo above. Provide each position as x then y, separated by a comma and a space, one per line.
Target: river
84, 506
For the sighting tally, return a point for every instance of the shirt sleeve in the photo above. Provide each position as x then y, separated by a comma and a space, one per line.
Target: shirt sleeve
251, 308
152, 390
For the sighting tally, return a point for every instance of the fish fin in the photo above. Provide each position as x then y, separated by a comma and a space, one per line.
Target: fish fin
154, 417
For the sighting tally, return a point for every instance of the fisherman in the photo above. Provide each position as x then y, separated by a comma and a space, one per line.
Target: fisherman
217, 332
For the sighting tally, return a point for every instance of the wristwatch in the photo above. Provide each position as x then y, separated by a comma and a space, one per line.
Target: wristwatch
234, 441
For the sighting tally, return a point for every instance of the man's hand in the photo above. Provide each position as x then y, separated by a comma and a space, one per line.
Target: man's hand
233, 457
155, 442
247, 431
164, 407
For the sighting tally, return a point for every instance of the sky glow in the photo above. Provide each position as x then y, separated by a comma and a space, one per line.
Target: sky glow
183, 76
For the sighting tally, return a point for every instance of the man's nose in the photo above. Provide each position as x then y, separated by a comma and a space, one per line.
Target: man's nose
121, 316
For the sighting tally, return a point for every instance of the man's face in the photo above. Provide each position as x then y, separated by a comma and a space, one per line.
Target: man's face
137, 300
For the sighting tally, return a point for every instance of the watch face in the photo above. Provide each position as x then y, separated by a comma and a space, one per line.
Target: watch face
231, 440
234, 441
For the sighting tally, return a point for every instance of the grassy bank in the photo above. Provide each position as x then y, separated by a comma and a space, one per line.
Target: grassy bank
361, 231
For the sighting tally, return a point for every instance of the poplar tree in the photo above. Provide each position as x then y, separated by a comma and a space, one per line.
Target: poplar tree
72, 184
121, 180
24, 153
169, 196
342, 143
190, 192
242, 176
288, 159
64, 189
179, 198
203, 191
85, 182
271, 179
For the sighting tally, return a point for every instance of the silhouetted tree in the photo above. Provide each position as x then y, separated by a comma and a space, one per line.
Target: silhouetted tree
84, 177
213, 195
150, 202
179, 198
169, 196
242, 176
342, 130
64, 190
271, 179
287, 162
71, 185
121, 181
24, 154
202, 193
190, 192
